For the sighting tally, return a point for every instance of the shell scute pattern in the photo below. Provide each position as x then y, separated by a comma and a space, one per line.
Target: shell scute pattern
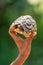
24, 25
27, 22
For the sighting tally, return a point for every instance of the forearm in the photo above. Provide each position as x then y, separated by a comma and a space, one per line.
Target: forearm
19, 60
22, 57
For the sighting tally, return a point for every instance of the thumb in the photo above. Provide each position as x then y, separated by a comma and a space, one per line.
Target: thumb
33, 34
31, 37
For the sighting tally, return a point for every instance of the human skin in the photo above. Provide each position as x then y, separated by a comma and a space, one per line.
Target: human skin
24, 46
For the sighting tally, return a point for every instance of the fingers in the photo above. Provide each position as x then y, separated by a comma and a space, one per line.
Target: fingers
13, 33
31, 37
33, 34
15, 36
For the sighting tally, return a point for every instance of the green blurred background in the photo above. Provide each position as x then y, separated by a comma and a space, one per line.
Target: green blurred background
9, 11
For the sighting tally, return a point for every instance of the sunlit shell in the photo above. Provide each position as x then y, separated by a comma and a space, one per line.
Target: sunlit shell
25, 25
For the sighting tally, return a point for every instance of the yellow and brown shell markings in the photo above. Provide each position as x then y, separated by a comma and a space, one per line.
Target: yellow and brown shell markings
24, 25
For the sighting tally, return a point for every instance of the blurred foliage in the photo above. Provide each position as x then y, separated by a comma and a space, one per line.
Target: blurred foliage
9, 11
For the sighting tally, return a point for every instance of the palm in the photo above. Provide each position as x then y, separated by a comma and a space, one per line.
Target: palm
21, 44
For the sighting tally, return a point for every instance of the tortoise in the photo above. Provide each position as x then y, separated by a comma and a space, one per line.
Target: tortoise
24, 25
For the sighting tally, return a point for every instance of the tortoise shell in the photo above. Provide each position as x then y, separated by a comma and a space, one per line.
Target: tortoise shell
24, 25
